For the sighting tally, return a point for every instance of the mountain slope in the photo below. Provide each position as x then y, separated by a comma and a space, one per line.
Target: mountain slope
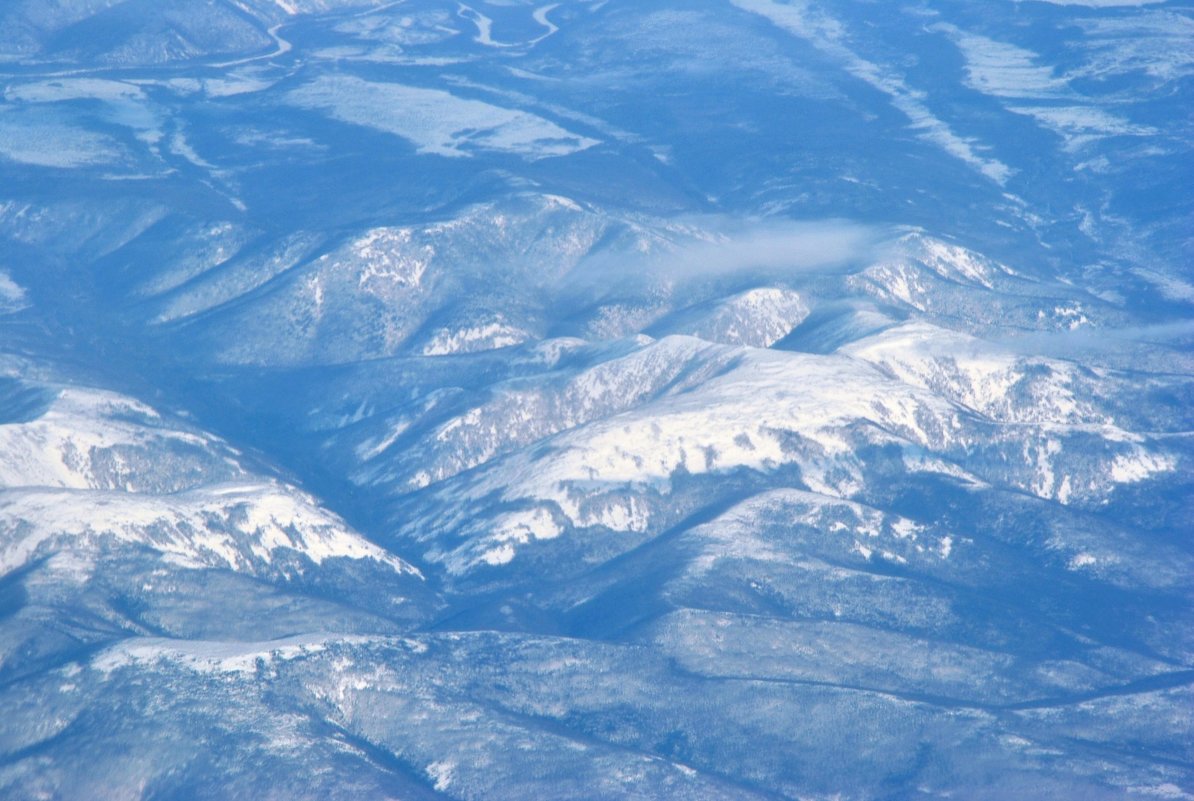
703, 399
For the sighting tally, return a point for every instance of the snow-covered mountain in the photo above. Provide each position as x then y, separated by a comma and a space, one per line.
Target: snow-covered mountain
596, 399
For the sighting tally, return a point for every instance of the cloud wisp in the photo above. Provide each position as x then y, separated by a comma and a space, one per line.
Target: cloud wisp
1090, 339
714, 248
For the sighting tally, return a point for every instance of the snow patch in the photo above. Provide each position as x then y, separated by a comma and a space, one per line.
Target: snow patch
441, 774
1138, 466
435, 121
490, 336
235, 526
204, 656
829, 35
12, 295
